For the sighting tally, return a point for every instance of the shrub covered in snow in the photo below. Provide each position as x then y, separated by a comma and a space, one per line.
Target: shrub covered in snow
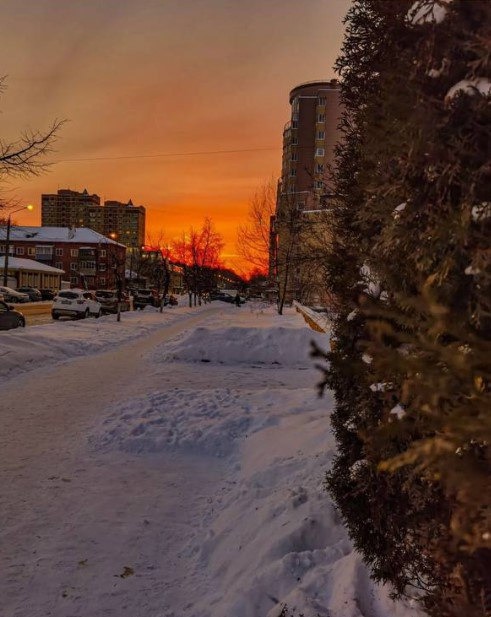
412, 172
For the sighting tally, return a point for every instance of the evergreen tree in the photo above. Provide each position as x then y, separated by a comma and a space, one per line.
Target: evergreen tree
410, 272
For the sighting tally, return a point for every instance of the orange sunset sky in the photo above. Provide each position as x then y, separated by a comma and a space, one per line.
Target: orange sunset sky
144, 77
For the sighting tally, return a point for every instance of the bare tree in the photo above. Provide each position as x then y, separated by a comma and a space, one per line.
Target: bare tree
199, 253
25, 156
253, 238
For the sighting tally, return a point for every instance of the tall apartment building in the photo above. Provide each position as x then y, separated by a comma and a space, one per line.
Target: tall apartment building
308, 143
67, 208
121, 221
304, 190
124, 222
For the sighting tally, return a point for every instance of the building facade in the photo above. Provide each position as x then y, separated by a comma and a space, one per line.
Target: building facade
309, 139
123, 222
31, 273
89, 259
304, 189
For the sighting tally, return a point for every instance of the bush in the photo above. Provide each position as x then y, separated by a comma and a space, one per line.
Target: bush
410, 268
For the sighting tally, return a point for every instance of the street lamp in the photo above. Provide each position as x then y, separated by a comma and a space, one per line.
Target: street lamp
7, 242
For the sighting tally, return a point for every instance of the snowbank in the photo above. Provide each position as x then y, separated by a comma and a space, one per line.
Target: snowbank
270, 536
241, 345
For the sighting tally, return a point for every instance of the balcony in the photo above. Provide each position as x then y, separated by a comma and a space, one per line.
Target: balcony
87, 271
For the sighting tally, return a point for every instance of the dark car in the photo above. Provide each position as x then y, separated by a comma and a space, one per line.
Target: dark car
33, 293
10, 318
109, 301
223, 297
47, 294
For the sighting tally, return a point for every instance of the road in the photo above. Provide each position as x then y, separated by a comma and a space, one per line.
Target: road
72, 523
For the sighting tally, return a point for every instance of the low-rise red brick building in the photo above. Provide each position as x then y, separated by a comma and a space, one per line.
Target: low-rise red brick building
89, 259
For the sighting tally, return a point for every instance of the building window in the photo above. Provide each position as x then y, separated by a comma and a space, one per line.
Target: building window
321, 134
44, 250
59, 265
294, 157
321, 118
102, 281
294, 124
102, 253
31, 251
319, 152
319, 168
73, 265
293, 172
74, 280
19, 250
294, 141
59, 252
322, 100
73, 252
102, 267
319, 184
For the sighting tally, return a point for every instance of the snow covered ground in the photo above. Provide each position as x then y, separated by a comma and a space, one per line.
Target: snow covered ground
173, 468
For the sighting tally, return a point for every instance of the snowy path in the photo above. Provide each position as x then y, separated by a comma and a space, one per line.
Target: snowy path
176, 475
71, 524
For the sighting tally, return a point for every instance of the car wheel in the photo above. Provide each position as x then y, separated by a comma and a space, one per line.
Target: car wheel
86, 314
55, 316
99, 314
21, 323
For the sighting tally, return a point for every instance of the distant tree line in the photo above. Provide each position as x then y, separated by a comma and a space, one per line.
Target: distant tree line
409, 269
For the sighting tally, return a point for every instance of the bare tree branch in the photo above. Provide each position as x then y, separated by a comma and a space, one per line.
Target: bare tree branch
24, 156
253, 236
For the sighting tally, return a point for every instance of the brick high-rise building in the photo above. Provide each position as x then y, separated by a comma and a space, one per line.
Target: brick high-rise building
300, 224
308, 142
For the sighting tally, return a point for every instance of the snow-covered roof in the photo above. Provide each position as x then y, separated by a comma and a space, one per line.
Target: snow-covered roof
17, 263
56, 234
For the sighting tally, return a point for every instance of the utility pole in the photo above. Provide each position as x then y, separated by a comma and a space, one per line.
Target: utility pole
7, 244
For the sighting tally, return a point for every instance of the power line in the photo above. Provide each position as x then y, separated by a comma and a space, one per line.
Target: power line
166, 154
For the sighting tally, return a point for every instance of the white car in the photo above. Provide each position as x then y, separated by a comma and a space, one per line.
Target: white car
11, 295
76, 303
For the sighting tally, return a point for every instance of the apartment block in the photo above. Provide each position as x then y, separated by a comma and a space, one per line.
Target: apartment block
120, 221
90, 260
300, 223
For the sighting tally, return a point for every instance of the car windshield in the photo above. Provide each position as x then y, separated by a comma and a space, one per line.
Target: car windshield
105, 294
71, 295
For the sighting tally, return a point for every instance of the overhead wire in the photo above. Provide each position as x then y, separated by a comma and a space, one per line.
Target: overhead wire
162, 155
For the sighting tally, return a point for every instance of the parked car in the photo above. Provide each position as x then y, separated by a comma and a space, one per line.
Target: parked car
76, 303
33, 293
143, 298
13, 296
109, 301
10, 318
47, 294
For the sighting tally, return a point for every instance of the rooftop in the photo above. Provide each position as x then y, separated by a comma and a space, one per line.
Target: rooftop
57, 234
17, 263
321, 84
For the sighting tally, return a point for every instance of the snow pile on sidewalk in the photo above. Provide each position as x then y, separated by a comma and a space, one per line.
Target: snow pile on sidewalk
235, 345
